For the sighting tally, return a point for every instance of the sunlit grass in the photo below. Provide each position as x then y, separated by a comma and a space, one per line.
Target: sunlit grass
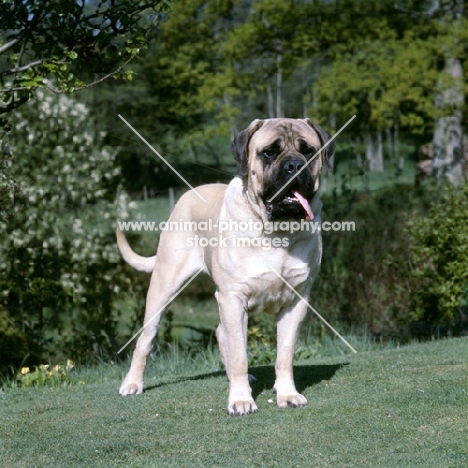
393, 407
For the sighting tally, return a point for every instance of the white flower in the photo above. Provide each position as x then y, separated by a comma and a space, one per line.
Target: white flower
77, 226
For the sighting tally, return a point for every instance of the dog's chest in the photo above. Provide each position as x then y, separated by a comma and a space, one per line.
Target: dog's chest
271, 290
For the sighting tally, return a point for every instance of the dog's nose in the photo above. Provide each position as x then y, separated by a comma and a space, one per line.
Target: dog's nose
293, 165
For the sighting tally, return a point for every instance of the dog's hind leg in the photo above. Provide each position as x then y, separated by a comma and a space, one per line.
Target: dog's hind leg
166, 280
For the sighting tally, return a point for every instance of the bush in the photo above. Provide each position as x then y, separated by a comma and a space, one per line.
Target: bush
357, 286
439, 255
59, 265
13, 344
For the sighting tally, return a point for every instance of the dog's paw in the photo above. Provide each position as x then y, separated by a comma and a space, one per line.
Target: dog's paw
130, 388
242, 407
294, 400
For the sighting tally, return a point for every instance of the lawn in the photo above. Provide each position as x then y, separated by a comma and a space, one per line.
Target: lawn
399, 407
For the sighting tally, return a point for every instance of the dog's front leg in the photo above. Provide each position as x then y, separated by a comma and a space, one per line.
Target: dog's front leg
289, 322
232, 338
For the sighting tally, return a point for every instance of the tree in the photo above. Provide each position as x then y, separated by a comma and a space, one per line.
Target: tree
387, 81
447, 162
64, 47
261, 53
165, 102
70, 45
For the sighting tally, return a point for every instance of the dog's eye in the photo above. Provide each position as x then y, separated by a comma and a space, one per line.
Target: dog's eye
268, 154
309, 151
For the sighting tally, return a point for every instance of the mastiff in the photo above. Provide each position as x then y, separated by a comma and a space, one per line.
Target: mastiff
238, 234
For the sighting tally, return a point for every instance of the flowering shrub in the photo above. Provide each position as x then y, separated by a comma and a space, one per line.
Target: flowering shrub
59, 269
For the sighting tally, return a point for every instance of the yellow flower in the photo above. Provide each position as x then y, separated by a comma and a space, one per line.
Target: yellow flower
25, 370
70, 364
44, 367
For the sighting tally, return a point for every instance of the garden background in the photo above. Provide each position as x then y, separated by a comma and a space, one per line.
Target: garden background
188, 75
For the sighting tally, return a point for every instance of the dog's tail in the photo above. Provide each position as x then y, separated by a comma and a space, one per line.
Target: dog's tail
133, 259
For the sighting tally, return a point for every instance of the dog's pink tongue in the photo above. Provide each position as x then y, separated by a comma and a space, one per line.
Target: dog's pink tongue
305, 204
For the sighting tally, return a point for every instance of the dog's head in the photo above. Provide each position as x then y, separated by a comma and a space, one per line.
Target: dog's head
276, 158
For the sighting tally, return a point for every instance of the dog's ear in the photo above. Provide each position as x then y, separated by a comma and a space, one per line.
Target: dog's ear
240, 146
329, 151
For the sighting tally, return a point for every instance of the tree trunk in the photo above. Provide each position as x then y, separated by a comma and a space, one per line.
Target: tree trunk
374, 153
332, 120
379, 165
305, 90
232, 125
279, 86
390, 149
171, 200
396, 138
271, 111
369, 152
447, 163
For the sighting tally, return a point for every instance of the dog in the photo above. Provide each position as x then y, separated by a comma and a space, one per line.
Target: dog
269, 153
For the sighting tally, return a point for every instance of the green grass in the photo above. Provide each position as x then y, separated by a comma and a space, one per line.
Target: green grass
400, 407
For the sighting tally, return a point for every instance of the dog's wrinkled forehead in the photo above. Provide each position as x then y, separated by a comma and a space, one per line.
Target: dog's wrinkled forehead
289, 134
286, 133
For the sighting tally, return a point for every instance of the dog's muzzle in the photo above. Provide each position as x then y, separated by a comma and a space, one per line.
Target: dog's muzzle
292, 202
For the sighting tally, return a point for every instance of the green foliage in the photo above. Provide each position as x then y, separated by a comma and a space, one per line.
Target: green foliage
261, 339
187, 61
209, 70
44, 375
439, 254
66, 46
59, 267
13, 343
387, 80
216, 65
361, 283
9, 188
272, 39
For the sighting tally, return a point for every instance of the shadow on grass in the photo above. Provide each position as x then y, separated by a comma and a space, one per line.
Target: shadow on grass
185, 379
304, 377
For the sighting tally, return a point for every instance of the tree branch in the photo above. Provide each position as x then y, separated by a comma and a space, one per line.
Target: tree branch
21, 69
12, 90
13, 104
31, 65
8, 45
94, 83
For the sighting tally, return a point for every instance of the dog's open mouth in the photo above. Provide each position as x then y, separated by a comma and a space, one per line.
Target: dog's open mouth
292, 205
298, 198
